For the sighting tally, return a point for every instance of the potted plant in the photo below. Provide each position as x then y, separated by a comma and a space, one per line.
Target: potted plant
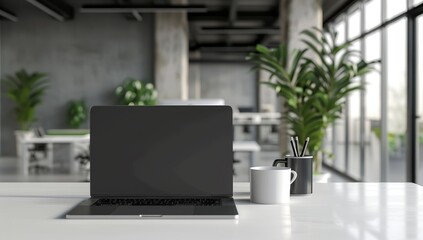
135, 92
77, 113
314, 83
26, 90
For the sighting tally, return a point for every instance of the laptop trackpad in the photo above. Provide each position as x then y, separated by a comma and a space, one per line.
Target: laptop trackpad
154, 210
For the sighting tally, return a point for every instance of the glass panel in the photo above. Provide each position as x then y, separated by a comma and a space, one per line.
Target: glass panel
354, 125
396, 98
372, 13
328, 147
340, 29
354, 23
339, 138
339, 126
372, 130
417, 2
420, 93
395, 7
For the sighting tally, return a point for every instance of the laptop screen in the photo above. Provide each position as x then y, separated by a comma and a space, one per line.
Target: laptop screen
161, 151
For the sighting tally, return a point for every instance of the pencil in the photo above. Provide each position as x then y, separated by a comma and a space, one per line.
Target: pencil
305, 147
294, 150
297, 146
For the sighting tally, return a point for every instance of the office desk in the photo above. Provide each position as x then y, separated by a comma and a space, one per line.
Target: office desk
25, 143
251, 147
335, 211
257, 118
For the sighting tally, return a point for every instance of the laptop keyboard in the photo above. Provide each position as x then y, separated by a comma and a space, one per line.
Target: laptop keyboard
157, 202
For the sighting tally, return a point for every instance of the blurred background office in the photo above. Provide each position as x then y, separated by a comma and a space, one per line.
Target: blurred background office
60, 57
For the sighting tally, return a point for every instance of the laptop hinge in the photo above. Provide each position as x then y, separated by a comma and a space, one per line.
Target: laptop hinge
108, 196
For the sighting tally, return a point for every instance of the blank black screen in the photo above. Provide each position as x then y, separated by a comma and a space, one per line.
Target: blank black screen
161, 151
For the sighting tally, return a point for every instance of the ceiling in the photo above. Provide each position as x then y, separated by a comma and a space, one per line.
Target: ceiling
215, 26
234, 25
239, 25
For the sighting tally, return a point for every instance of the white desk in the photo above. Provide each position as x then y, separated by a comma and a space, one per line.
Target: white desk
261, 121
334, 211
256, 118
251, 147
238, 146
26, 142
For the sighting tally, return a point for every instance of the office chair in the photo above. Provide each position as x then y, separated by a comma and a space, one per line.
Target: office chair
36, 165
246, 128
83, 157
35, 162
235, 161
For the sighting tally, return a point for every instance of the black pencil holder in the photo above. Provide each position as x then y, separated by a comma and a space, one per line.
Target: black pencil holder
304, 168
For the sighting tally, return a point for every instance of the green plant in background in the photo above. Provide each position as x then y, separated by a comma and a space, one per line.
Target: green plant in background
27, 91
77, 113
394, 139
135, 92
314, 86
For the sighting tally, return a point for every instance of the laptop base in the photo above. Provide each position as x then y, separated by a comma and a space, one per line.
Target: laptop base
86, 210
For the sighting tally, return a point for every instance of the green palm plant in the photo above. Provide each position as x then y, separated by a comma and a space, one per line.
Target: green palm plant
314, 83
27, 91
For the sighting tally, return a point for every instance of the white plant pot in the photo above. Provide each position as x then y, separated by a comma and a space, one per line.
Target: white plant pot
321, 178
21, 135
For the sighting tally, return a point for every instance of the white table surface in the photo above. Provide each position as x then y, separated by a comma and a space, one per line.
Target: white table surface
57, 139
334, 211
257, 118
246, 146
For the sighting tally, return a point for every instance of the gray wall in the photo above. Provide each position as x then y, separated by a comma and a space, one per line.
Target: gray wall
233, 82
84, 58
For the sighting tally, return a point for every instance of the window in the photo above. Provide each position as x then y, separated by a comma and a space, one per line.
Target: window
354, 115
372, 121
357, 136
417, 2
338, 129
340, 29
395, 7
354, 24
339, 160
420, 93
327, 144
396, 78
372, 14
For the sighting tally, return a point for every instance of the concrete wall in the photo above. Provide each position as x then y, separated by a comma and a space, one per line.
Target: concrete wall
233, 82
84, 58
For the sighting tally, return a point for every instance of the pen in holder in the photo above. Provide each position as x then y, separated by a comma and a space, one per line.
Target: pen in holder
304, 167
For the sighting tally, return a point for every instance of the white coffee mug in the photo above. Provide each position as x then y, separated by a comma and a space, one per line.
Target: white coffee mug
271, 185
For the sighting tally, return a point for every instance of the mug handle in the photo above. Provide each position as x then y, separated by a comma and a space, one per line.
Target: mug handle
294, 177
277, 161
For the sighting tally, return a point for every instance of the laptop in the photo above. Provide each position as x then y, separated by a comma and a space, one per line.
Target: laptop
160, 162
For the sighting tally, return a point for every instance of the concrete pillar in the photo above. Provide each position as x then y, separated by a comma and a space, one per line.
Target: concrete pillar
268, 102
268, 97
296, 16
195, 78
302, 14
171, 54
